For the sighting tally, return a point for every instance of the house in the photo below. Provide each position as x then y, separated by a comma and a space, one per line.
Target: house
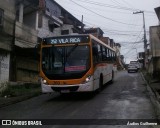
54, 20
154, 54
22, 25
7, 20
120, 58
154, 65
157, 10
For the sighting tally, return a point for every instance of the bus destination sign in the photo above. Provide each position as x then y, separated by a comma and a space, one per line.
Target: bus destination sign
66, 40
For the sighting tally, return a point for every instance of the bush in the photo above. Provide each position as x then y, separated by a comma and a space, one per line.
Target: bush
4, 88
19, 90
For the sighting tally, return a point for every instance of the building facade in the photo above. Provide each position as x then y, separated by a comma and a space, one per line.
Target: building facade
7, 20
154, 53
25, 65
154, 60
22, 27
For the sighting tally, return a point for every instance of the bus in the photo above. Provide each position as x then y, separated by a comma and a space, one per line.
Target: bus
75, 63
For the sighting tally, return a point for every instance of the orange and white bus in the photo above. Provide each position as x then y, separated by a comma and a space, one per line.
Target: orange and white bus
75, 63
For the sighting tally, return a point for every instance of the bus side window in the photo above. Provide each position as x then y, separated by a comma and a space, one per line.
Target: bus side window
109, 55
107, 52
99, 52
95, 52
114, 56
104, 57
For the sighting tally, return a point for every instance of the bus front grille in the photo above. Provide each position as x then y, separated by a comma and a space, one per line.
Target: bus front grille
71, 89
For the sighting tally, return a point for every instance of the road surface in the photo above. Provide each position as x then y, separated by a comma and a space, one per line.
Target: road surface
126, 98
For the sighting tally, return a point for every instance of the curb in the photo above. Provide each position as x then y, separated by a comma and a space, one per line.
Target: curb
154, 97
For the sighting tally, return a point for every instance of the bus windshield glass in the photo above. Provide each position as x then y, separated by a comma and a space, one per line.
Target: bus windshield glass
65, 62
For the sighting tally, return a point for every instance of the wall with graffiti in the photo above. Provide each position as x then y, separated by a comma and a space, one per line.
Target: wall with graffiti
4, 66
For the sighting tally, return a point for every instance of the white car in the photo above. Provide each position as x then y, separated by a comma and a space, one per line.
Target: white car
132, 67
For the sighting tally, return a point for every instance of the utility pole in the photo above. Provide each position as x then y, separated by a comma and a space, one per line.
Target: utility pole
145, 39
82, 25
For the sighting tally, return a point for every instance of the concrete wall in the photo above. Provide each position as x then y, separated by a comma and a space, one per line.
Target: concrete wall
26, 67
27, 70
6, 38
155, 41
25, 36
5, 42
57, 31
9, 15
30, 20
6, 30
45, 32
4, 66
154, 64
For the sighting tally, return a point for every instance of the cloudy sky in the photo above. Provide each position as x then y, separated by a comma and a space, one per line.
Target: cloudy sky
116, 19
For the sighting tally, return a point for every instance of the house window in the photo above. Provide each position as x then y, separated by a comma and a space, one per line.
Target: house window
64, 32
51, 27
1, 17
40, 20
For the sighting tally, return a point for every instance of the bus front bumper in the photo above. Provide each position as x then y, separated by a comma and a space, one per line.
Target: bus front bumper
86, 87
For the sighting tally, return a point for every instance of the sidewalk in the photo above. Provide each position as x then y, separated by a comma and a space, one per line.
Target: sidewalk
18, 93
153, 86
5, 101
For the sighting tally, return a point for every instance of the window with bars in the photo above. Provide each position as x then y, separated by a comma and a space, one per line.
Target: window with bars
1, 16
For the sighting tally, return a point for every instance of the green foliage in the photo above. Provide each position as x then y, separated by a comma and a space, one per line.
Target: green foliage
3, 87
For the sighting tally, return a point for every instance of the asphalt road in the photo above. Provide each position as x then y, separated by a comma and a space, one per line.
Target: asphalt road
126, 98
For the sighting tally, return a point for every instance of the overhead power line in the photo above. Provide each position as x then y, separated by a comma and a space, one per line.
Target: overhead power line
113, 6
102, 15
108, 5
133, 46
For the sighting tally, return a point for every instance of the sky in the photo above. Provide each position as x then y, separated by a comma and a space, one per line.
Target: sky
116, 19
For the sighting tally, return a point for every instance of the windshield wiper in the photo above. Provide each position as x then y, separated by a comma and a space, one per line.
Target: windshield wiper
72, 49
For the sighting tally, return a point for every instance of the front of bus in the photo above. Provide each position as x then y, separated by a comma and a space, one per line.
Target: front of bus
65, 64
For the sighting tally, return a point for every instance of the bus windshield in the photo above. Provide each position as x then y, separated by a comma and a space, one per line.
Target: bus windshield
65, 62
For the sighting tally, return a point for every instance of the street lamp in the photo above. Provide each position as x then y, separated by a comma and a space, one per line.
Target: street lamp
145, 40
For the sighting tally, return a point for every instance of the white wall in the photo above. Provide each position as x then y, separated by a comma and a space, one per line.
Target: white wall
44, 31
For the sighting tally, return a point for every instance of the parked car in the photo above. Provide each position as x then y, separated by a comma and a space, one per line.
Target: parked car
136, 63
132, 67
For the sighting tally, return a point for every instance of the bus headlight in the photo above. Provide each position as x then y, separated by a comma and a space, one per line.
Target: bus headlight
44, 81
88, 78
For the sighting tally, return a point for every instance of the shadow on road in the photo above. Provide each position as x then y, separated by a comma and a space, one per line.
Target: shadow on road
72, 97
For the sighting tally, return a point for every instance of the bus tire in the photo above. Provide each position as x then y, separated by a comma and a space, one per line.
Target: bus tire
100, 84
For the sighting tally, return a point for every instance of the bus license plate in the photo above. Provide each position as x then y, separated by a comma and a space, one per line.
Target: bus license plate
65, 91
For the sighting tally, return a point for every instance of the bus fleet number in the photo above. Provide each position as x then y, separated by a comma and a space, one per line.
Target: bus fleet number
56, 82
